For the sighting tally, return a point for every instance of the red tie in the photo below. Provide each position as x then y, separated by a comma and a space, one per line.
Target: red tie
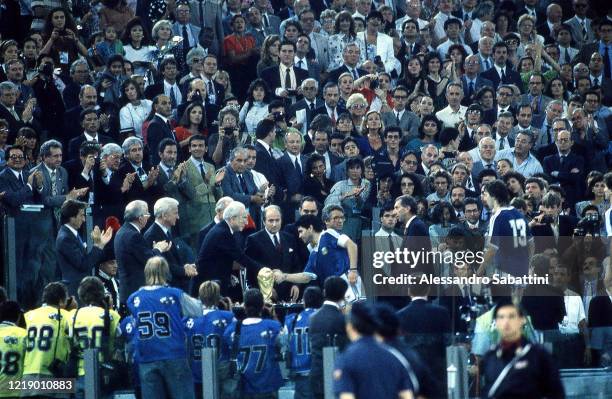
333, 118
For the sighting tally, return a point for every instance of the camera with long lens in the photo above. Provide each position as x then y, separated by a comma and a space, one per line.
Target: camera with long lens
589, 224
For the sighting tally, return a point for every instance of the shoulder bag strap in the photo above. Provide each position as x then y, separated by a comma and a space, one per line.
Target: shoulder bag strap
506, 370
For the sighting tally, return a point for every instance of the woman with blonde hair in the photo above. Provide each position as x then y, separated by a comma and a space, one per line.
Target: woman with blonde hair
357, 106
372, 129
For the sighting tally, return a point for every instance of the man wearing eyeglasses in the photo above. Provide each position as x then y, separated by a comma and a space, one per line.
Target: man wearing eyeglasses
402, 117
566, 167
18, 187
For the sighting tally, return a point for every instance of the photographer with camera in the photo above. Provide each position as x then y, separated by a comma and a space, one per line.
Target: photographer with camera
47, 86
550, 229
229, 137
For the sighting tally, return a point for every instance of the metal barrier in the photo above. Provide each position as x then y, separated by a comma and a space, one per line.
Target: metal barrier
210, 386
587, 383
329, 360
10, 258
457, 372
92, 376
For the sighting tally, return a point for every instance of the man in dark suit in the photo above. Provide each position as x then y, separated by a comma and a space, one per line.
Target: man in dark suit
566, 168
350, 55
20, 188
215, 93
472, 81
275, 249
265, 134
500, 73
132, 250
71, 124
141, 179
159, 128
238, 182
285, 78
308, 206
549, 229
416, 233
166, 215
219, 208
427, 327
302, 49
291, 171
74, 258
90, 125
331, 95
169, 85
326, 328
306, 106
221, 249
320, 144
81, 171
16, 116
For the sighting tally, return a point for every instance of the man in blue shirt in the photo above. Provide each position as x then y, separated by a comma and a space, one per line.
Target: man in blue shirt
158, 312
509, 243
299, 356
368, 369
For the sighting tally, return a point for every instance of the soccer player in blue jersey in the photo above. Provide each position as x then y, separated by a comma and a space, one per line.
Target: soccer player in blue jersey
255, 341
299, 356
509, 243
158, 312
206, 331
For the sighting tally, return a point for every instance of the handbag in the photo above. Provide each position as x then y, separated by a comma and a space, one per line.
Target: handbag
68, 368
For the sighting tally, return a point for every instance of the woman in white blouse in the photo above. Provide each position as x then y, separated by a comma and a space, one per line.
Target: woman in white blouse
137, 46
135, 109
255, 107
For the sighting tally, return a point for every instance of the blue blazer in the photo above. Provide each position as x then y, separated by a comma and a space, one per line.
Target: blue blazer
231, 186
132, 252
75, 261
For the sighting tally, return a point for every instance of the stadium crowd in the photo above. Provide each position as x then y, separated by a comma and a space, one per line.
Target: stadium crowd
183, 174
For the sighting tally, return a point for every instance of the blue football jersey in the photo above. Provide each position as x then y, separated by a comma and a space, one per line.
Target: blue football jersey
509, 233
128, 329
257, 355
206, 332
330, 259
159, 333
299, 341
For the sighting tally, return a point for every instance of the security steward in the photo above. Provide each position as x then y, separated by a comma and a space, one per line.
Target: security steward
516, 368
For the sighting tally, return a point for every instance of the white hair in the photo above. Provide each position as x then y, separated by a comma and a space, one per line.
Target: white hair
232, 210
163, 206
222, 204
134, 210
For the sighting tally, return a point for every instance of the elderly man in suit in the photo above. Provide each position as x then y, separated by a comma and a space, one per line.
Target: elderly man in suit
582, 31
304, 110
204, 189
219, 208
16, 117
166, 215
221, 249
75, 260
20, 187
183, 28
351, 56
291, 170
275, 249
566, 168
132, 250
471, 80
54, 192
400, 116
256, 27
238, 182
208, 14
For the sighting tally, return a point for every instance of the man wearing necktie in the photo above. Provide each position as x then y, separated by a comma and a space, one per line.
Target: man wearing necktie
266, 164
74, 257
285, 78
566, 167
239, 184
160, 127
291, 171
275, 249
182, 27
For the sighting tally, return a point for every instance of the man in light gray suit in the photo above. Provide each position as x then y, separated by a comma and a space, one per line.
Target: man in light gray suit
53, 193
270, 21
402, 117
318, 42
524, 117
209, 14
582, 32
188, 31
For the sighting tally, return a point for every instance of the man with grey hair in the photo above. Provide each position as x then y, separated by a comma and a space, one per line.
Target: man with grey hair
140, 184
276, 249
15, 118
166, 215
350, 57
219, 209
80, 76
221, 249
195, 62
239, 183
454, 112
522, 160
132, 250
486, 152
304, 110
